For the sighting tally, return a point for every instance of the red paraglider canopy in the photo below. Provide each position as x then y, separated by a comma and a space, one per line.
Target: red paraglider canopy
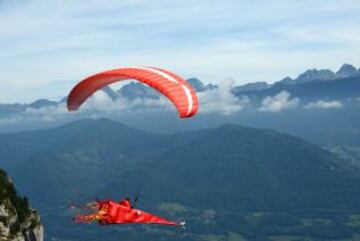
180, 92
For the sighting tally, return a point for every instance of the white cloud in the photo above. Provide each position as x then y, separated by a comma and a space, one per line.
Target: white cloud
100, 101
221, 100
47, 113
279, 102
321, 104
100, 104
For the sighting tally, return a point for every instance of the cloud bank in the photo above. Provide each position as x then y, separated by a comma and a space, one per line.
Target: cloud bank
279, 102
221, 100
321, 104
99, 103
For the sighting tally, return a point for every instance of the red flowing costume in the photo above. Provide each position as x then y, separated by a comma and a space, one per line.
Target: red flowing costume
110, 212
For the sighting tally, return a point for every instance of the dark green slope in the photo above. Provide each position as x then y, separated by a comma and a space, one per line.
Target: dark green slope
228, 179
75, 159
87, 136
244, 169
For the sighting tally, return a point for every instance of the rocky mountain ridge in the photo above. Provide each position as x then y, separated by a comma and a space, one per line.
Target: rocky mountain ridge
18, 222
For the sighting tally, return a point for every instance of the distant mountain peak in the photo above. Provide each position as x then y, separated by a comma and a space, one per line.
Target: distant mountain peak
315, 74
252, 86
286, 81
42, 103
135, 90
347, 70
197, 84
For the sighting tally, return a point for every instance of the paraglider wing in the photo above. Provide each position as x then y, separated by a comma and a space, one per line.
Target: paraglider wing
176, 89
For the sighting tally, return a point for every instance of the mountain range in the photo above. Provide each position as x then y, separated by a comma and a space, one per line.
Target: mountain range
227, 182
137, 90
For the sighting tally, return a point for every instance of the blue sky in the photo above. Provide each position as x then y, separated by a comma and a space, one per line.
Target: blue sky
47, 46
